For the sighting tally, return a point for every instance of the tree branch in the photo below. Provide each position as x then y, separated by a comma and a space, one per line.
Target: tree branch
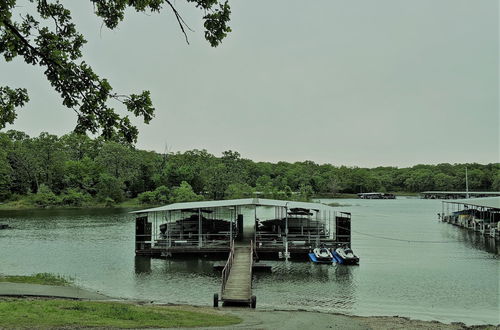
180, 20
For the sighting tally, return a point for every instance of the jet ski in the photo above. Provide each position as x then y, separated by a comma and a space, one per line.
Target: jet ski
321, 255
344, 255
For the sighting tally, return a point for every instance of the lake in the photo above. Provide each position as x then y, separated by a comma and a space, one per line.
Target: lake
411, 264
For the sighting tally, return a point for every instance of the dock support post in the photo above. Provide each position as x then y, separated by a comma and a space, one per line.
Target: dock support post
200, 239
286, 231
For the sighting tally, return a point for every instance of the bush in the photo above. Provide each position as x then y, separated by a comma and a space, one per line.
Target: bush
185, 193
109, 202
159, 196
162, 194
45, 197
74, 197
147, 197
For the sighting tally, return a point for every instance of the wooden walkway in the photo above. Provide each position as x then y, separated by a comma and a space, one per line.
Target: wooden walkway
238, 287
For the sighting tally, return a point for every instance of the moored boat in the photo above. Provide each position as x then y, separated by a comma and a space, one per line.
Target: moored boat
344, 255
321, 255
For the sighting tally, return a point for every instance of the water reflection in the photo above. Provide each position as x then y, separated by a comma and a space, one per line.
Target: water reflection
472, 239
142, 265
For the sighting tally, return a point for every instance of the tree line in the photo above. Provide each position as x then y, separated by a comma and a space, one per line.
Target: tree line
76, 170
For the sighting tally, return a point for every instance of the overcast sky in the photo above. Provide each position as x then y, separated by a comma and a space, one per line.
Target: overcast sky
359, 82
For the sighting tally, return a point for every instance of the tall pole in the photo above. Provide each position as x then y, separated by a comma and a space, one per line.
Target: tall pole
466, 184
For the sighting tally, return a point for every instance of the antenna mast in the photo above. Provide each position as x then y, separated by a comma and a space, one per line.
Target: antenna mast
466, 184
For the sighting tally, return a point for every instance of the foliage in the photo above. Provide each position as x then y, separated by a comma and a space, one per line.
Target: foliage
239, 190
43, 34
45, 197
160, 195
184, 193
40, 278
36, 313
74, 197
75, 170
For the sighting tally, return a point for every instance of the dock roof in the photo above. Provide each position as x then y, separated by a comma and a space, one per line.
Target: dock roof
236, 202
488, 202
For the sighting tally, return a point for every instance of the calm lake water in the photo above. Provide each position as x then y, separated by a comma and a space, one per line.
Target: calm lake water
433, 271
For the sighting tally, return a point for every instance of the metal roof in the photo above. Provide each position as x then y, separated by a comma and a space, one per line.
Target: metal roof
488, 202
236, 202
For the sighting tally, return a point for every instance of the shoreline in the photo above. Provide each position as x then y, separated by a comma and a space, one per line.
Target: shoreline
266, 318
25, 205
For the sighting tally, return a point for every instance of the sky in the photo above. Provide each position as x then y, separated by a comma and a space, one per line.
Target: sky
358, 83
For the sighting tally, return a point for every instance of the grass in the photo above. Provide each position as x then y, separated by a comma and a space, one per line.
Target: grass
40, 278
29, 313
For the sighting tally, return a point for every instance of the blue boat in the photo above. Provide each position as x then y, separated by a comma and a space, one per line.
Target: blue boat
321, 256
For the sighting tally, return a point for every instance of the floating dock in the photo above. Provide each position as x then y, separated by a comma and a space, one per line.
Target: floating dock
457, 194
272, 229
376, 195
481, 215
279, 229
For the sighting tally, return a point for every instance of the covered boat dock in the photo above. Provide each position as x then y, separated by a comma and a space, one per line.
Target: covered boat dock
481, 215
277, 228
457, 194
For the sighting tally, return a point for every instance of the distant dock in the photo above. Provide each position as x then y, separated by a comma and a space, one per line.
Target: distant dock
481, 215
376, 195
457, 194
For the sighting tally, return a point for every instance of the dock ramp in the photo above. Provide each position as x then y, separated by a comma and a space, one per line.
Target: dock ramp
237, 277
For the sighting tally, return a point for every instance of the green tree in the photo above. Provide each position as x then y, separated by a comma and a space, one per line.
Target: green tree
5, 169
82, 174
444, 182
45, 197
239, 190
44, 34
305, 193
110, 189
184, 193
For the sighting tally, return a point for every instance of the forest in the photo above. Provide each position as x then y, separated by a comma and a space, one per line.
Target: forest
76, 170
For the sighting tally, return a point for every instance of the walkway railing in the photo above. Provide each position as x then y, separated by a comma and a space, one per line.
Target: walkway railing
227, 267
251, 265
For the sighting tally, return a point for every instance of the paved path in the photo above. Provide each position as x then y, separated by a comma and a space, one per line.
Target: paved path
27, 289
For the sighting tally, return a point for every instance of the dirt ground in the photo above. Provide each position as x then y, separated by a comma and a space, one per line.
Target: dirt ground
303, 320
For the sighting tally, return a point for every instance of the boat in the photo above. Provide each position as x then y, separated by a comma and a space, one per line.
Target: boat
344, 255
321, 255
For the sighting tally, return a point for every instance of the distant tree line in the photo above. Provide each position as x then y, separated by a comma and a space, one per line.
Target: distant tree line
77, 170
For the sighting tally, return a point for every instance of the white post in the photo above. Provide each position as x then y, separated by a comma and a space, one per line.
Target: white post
200, 241
286, 231
231, 226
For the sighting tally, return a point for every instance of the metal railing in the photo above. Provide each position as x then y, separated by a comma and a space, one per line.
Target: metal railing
227, 267
251, 266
